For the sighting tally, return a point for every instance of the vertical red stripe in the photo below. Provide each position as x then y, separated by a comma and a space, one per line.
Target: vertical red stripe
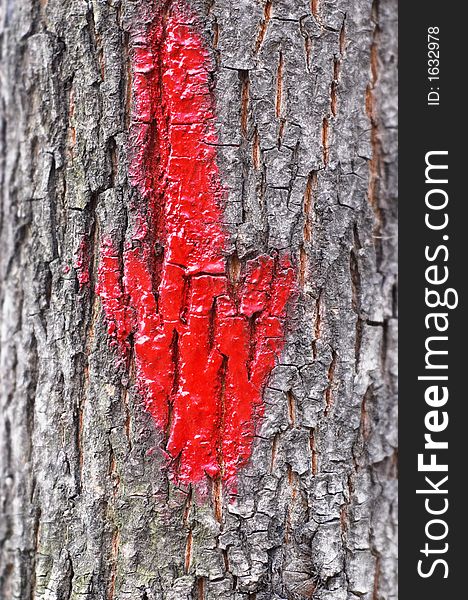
204, 345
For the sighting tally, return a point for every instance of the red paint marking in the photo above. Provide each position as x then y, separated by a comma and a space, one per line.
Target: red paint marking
204, 346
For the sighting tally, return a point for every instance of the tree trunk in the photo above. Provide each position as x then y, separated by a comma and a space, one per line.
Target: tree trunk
306, 118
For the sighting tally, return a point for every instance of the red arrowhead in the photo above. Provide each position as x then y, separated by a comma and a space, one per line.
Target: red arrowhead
204, 344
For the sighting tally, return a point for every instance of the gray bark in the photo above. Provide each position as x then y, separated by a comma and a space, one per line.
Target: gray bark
306, 96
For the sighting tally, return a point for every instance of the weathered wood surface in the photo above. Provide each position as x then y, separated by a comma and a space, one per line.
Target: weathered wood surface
306, 95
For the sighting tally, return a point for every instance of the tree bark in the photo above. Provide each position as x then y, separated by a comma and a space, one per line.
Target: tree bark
306, 102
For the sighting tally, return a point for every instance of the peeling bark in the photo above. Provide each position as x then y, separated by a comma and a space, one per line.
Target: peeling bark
306, 127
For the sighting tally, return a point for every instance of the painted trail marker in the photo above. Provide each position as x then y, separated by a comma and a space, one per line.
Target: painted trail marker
205, 335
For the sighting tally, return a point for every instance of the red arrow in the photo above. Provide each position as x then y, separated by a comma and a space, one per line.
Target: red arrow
204, 344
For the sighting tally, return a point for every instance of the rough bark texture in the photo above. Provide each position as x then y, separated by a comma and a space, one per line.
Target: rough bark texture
306, 96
